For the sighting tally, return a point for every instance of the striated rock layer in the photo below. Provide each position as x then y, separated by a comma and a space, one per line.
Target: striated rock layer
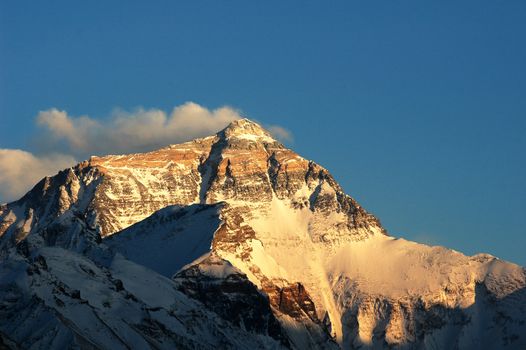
260, 237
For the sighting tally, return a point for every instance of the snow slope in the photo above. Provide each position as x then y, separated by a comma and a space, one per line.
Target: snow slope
170, 238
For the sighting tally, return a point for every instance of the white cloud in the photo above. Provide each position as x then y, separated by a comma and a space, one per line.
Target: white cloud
140, 130
21, 170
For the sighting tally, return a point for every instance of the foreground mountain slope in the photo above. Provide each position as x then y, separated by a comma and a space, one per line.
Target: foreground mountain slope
60, 299
239, 211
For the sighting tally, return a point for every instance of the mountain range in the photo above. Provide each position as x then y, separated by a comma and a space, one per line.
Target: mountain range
234, 241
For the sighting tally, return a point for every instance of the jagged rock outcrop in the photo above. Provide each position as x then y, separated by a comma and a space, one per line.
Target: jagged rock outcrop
267, 252
228, 292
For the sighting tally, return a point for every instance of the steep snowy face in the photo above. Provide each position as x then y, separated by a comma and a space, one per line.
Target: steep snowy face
395, 292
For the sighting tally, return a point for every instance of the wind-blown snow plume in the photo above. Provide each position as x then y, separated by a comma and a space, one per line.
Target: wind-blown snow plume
280, 133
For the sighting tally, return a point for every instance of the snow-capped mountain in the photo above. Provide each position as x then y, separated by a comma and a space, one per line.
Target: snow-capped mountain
234, 241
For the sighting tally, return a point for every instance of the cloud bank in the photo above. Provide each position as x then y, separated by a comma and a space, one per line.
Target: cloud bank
20, 170
122, 132
125, 132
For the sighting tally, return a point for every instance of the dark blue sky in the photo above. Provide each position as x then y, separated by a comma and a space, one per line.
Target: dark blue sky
418, 108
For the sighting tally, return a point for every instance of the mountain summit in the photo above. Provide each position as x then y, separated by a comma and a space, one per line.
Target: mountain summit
234, 241
246, 129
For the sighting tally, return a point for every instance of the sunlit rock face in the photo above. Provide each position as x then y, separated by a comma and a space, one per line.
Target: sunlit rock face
242, 163
236, 221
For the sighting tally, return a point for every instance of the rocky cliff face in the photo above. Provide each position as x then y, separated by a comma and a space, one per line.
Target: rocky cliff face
236, 221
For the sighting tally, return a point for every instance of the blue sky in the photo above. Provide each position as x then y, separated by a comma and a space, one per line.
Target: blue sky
418, 108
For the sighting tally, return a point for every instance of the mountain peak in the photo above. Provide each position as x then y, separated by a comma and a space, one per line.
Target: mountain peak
244, 224
247, 129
